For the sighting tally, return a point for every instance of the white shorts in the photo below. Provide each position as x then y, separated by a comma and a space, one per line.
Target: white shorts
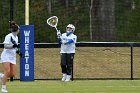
7, 58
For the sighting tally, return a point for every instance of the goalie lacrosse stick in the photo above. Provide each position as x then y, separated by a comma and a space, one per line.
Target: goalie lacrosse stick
52, 21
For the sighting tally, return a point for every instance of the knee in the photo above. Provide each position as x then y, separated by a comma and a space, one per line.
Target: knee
63, 64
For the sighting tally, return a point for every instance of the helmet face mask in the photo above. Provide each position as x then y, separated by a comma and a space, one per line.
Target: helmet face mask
70, 27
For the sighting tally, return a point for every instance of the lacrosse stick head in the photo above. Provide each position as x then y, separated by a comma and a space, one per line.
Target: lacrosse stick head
52, 21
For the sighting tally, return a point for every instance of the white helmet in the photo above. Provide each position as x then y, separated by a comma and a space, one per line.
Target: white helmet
71, 26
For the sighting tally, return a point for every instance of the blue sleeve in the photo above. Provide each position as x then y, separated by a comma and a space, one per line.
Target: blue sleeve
70, 41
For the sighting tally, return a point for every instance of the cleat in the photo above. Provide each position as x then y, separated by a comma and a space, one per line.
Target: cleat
68, 78
4, 90
64, 77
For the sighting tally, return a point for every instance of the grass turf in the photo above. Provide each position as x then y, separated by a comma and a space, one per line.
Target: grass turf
83, 86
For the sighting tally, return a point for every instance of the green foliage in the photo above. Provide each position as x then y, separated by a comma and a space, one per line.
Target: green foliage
127, 21
76, 12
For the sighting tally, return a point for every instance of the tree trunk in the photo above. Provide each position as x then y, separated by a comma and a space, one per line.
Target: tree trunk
49, 7
90, 16
67, 4
104, 20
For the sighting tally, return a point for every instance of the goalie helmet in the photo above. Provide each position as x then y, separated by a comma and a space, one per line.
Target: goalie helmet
71, 26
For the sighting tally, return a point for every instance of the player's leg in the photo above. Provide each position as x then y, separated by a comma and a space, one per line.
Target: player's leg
69, 63
12, 70
6, 68
63, 66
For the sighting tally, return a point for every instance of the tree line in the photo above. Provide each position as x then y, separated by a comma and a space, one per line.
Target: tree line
95, 20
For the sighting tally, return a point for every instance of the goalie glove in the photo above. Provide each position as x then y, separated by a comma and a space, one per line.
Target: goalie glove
58, 33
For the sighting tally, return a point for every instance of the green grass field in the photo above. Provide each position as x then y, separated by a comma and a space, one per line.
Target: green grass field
83, 86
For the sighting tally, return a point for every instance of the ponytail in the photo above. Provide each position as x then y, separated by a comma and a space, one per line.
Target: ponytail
13, 26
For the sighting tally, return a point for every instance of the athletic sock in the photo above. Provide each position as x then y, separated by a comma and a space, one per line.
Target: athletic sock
1, 75
3, 86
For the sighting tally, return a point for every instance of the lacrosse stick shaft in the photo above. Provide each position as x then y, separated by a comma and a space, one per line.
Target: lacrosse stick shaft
56, 29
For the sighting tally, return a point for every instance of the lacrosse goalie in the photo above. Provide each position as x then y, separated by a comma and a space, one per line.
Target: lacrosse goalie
67, 51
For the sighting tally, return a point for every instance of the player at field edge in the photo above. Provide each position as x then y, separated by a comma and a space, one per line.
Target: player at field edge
8, 55
67, 51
